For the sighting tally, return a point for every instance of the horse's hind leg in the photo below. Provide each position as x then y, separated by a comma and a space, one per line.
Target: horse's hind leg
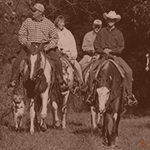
32, 116
64, 109
44, 97
93, 118
56, 122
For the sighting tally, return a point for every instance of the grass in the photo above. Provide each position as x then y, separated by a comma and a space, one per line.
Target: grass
77, 136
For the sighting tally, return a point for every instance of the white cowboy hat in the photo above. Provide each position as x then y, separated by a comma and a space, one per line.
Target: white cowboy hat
112, 15
39, 7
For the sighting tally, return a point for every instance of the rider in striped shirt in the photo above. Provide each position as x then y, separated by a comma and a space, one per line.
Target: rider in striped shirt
38, 29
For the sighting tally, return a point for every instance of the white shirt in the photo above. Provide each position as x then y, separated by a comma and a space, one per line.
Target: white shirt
67, 43
88, 41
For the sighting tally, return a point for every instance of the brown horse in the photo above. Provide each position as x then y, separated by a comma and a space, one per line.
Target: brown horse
108, 101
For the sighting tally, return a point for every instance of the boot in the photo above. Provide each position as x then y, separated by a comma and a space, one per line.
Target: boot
62, 84
132, 101
63, 87
83, 87
11, 88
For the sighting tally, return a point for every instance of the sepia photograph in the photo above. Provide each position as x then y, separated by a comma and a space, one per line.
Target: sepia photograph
74, 74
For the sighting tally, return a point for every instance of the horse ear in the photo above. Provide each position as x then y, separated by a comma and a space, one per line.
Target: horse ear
110, 77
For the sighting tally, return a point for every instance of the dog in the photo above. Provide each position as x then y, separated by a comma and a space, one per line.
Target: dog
18, 110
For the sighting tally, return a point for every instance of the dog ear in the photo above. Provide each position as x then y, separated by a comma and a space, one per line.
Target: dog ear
14, 97
22, 97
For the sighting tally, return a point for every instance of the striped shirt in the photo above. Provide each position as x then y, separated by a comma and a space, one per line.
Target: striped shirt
38, 31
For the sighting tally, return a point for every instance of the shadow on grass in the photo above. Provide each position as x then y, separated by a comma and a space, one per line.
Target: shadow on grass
88, 131
11, 128
143, 126
75, 124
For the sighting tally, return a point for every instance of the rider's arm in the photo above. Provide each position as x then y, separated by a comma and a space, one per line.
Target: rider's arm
97, 43
72, 45
120, 44
23, 33
53, 35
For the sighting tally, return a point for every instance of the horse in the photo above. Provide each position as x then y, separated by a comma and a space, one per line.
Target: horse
108, 100
36, 75
68, 76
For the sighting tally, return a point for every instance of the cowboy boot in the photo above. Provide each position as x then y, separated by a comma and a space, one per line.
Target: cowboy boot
11, 87
132, 101
62, 84
83, 87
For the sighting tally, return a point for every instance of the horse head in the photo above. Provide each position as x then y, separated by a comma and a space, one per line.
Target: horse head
103, 87
36, 61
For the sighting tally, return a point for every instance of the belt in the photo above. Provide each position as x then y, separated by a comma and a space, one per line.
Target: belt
37, 44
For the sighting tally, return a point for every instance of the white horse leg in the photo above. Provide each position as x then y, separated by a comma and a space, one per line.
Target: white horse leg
45, 99
93, 118
56, 122
64, 109
32, 116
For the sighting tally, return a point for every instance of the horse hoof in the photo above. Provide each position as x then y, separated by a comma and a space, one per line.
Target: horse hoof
63, 127
43, 128
56, 125
31, 132
99, 126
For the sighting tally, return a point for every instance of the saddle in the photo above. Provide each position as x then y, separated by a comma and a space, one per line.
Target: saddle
120, 69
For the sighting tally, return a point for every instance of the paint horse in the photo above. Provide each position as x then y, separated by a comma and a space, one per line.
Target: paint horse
68, 76
37, 80
110, 93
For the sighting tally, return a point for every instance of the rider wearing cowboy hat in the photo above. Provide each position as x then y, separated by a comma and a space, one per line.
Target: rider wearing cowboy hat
110, 40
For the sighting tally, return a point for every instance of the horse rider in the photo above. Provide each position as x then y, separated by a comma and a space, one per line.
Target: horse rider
67, 45
110, 41
32, 32
87, 45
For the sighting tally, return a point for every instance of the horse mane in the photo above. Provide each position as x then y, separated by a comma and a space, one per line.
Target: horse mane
103, 77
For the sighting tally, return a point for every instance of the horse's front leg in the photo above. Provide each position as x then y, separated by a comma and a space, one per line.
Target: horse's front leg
93, 117
32, 115
56, 122
45, 98
64, 109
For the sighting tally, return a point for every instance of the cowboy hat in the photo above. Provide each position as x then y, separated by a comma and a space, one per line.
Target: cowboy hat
112, 15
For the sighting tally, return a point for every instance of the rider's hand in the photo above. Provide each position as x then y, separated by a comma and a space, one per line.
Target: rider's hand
47, 47
107, 51
28, 45
96, 56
